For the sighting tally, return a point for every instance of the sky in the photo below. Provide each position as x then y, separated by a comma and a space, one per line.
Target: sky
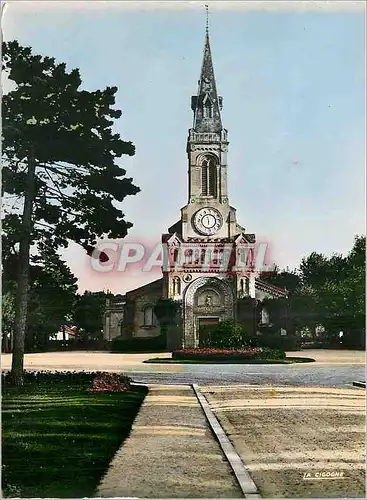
292, 77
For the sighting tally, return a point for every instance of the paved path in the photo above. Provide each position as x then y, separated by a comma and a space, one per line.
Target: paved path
171, 453
284, 433
332, 368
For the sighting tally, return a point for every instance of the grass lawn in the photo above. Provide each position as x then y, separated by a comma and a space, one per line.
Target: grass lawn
58, 440
285, 361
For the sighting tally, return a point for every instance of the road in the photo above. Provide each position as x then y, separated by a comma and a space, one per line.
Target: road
295, 375
331, 368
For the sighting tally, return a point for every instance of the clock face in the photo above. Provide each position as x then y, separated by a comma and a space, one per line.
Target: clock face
208, 221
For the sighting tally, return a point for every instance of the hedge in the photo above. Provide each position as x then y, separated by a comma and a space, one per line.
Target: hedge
276, 341
141, 344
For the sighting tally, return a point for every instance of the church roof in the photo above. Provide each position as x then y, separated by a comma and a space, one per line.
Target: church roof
272, 289
207, 104
153, 284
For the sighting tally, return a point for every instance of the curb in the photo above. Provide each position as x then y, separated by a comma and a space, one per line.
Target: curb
248, 487
360, 384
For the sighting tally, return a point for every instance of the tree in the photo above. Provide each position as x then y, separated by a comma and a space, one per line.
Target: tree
167, 313
7, 319
51, 296
337, 285
89, 313
278, 309
60, 176
247, 314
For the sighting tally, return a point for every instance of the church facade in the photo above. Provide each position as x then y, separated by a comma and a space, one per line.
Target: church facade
209, 258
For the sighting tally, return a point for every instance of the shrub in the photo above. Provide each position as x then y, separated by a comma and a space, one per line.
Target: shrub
277, 341
268, 353
158, 343
228, 335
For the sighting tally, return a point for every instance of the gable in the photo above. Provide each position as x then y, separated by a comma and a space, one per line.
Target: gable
153, 287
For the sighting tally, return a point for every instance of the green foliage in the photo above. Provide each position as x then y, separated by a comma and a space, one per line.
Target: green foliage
277, 341
327, 291
337, 287
272, 353
228, 334
278, 309
167, 311
51, 297
8, 317
246, 312
151, 344
89, 313
68, 132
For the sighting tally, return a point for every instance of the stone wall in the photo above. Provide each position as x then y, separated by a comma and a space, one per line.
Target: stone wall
112, 324
147, 296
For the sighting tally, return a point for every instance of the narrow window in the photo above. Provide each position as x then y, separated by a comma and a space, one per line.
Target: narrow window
208, 178
204, 178
247, 288
188, 256
148, 316
176, 286
212, 181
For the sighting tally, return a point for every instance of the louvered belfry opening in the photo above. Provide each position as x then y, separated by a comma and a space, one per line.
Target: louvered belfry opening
209, 177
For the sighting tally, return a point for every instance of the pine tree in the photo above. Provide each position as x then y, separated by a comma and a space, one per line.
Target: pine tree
61, 179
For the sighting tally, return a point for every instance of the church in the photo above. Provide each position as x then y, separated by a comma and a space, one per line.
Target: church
209, 257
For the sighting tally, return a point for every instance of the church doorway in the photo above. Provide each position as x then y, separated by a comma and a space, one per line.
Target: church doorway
205, 326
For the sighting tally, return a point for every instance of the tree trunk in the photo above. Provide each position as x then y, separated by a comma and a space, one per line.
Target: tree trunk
23, 277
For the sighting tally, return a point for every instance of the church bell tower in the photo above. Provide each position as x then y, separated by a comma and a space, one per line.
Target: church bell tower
207, 214
203, 247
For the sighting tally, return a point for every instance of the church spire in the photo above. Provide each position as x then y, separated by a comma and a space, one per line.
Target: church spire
207, 104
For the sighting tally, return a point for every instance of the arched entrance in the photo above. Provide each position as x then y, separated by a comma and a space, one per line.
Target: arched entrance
207, 301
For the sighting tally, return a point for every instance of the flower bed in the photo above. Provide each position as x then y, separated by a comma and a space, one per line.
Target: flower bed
96, 381
215, 354
110, 382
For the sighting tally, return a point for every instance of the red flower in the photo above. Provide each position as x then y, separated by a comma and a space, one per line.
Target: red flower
110, 382
247, 352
